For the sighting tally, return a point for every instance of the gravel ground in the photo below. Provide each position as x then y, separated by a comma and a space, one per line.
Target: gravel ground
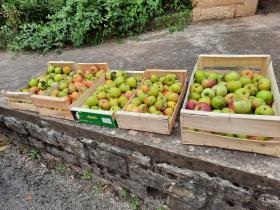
35, 184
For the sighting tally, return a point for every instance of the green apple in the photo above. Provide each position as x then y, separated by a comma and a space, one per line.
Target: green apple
121, 73
199, 76
51, 69
150, 100
257, 78
233, 85
92, 101
154, 91
231, 76
177, 88
132, 82
136, 101
196, 88
58, 70
115, 92
213, 75
241, 106
194, 96
252, 88
154, 78
115, 108
208, 83
122, 100
109, 75
220, 78
159, 85
264, 84
264, 110
220, 90
242, 93
172, 96
124, 87
266, 95
58, 77
245, 80
119, 80
113, 102
33, 82
170, 79
218, 102
208, 92
256, 102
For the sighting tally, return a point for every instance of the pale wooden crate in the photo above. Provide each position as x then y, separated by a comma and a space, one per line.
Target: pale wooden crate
252, 125
77, 105
152, 122
60, 107
19, 100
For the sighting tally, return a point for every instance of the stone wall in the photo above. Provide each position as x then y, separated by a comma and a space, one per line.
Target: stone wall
145, 175
221, 9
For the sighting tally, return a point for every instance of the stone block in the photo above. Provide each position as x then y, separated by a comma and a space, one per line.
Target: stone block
35, 143
248, 8
15, 125
199, 3
108, 159
213, 12
67, 157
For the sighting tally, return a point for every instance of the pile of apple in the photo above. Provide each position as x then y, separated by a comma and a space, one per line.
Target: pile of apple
242, 92
158, 95
115, 93
63, 82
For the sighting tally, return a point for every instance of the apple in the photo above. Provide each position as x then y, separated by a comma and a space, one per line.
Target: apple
115, 108
232, 86
206, 100
130, 107
170, 79
150, 100
102, 95
208, 92
113, 102
252, 88
256, 102
58, 77
231, 76
145, 88
144, 108
119, 80
33, 82
257, 78
172, 96
121, 73
154, 78
58, 70
154, 91
266, 95
241, 106
212, 75
242, 93
132, 82
152, 109
104, 104
109, 75
136, 101
122, 100
220, 90
115, 92
177, 88
248, 73
159, 85
208, 83
220, 78
51, 69
264, 84
196, 88
128, 94
264, 110
124, 87
191, 104
199, 76
245, 80
201, 106
171, 104
218, 102
168, 112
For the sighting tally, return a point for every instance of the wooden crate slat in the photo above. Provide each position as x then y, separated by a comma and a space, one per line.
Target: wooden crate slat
50, 102
22, 106
205, 139
63, 114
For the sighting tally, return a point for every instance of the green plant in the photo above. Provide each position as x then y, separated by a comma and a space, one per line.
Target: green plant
60, 168
124, 193
87, 175
135, 203
35, 153
98, 188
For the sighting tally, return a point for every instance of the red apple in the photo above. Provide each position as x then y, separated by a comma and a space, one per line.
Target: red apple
208, 83
202, 106
249, 73
191, 104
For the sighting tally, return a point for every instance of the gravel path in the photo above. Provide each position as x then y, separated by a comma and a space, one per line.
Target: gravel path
30, 184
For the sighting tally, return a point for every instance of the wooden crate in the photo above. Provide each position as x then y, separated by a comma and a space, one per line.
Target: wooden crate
19, 100
152, 122
96, 117
251, 125
61, 107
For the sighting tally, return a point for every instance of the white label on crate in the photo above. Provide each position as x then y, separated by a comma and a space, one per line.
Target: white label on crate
106, 120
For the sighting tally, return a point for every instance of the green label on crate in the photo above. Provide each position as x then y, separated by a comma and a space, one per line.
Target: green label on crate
96, 119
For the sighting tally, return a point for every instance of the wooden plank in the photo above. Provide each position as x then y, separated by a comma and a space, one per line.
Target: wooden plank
50, 102
17, 96
87, 66
22, 106
62, 114
263, 147
62, 64
274, 89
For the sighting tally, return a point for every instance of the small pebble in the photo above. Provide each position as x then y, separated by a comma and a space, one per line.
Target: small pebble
191, 148
133, 132
113, 132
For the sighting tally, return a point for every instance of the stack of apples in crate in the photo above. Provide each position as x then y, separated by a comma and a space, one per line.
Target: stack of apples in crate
244, 92
115, 93
64, 82
157, 95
